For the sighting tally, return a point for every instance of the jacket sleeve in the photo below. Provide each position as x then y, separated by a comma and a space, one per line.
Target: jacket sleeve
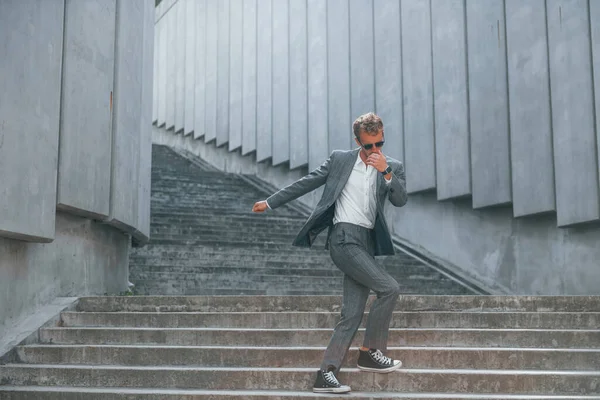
304, 185
397, 192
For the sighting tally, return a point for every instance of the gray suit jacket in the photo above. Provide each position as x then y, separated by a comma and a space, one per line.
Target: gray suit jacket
334, 174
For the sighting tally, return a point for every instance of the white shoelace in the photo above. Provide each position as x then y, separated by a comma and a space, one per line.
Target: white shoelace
379, 357
330, 378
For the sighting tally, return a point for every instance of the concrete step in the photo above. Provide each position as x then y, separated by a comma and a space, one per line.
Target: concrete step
466, 303
300, 379
272, 320
424, 337
174, 288
76, 393
306, 357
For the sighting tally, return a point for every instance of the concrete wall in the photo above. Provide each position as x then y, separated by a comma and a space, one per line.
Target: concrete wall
491, 105
75, 136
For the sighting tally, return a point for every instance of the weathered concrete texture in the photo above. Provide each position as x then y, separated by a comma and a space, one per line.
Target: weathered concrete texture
85, 258
488, 104
142, 232
210, 103
32, 33
264, 83
338, 75
450, 99
418, 96
200, 70
236, 27
161, 90
362, 58
281, 83
318, 150
249, 77
595, 32
127, 115
298, 84
223, 73
178, 11
155, 74
190, 65
87, 89
171, 79
523, 256
575, 145
532, 164
388, 75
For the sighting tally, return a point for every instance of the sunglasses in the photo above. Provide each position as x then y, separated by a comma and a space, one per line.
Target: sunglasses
370, 145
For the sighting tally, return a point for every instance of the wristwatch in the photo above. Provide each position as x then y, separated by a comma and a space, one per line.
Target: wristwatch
387, 170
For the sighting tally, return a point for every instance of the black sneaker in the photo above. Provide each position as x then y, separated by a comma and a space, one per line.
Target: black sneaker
327, 383
374, 361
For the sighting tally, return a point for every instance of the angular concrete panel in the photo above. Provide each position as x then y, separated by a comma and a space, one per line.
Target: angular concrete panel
179, 9
145, 160
190, 66
200, 70
488, 104
264, 100
281, 83
161, 90
211, 70
155, 76
298, 84
171, 53
532, 165
417, 79
249, 78
32, 34
453, 175
318, 149
223, 74
388, 74
595, 30
573, 122
235, 73
362, 58
127, 115
338, 75
85, 134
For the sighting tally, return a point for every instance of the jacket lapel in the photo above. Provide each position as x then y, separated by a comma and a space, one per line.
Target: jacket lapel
345, 171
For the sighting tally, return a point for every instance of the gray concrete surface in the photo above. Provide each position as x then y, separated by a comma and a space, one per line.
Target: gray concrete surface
452, 138
362, 58
338, 75
223, 67
281, 83
249, 77
388, 75
235, 73
417, 78
171, 51
532, 164
318, 147
87, 86
179, 11
488, 104
161, 83
595, 32
155, 76
127, 116
298, 84
200, 74
85, 257
190, 65
210, 104
571, 83
264, 81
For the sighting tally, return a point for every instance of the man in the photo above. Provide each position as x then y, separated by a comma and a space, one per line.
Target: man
357, 183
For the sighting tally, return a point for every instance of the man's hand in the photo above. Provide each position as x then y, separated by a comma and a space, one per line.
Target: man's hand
377, 161
260, 206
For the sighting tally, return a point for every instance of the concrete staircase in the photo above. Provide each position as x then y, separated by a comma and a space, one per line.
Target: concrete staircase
268, 347
206, 241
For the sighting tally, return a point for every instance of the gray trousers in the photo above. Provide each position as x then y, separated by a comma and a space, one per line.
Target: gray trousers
351, 248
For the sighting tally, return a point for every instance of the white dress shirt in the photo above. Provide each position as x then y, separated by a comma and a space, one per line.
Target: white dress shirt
357, 204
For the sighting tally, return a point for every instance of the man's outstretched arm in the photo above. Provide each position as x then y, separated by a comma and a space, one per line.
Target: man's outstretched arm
304, 185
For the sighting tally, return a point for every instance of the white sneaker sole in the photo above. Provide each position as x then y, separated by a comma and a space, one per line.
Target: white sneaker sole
381, 371
342, 389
